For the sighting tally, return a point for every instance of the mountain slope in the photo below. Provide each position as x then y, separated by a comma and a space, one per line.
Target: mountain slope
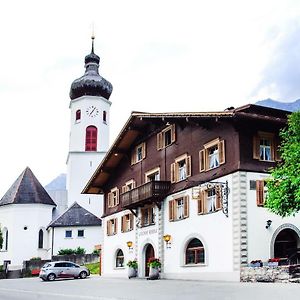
289, 106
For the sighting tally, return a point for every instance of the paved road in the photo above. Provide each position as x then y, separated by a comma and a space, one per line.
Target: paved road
99, 288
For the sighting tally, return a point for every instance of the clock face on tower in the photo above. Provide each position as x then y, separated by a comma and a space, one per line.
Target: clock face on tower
92, 111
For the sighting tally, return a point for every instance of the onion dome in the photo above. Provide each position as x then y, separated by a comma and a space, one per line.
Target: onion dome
91, 83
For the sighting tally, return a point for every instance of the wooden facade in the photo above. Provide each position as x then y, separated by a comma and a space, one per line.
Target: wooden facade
190, 143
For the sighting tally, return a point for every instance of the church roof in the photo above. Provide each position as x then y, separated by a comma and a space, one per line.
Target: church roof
76, 216
26, 190
91, 83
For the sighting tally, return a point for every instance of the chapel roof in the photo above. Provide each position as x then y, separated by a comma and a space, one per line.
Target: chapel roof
76, 215
26, 190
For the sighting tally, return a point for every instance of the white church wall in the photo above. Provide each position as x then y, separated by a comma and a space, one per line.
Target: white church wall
93, 235
23, 223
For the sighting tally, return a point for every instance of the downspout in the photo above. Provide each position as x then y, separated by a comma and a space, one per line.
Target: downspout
52, 242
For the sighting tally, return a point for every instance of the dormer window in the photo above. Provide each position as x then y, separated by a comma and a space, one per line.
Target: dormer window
78, 116
166, 137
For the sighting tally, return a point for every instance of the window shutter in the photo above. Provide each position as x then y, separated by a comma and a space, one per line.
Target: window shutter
116, 225
159, 141
173, 133
122, 223
221, 147
171, 210
109, 200
186, 206
201, 202
133, 157
124, 189
202, 160
188, 166
276, 150
131, 219
256, 147
144, 150
218, 196
108, 227
260, 192
173, 177
273, 151
117, 197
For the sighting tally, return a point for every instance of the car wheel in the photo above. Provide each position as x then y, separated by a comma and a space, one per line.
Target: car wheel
83, 275
51, 277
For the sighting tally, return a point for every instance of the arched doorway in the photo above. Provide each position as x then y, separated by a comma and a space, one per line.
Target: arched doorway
286, 245
149, 253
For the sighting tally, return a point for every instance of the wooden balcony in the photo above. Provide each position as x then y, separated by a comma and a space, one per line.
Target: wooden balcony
153, 191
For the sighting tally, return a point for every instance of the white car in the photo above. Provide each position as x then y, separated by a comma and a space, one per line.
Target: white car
63, 269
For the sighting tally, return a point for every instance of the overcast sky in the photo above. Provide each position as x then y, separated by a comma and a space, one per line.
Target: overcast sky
177, 55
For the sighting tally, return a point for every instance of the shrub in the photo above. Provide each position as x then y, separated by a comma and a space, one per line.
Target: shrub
79, 250
35, 258
67, 251
96, 251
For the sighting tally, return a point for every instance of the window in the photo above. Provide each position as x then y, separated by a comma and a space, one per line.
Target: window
119, 259
91, 138
5, 239
261, 192
147, 216
138, 153
194, 252
113, 197
41, 239
152, 175
181, 169
265, 147
129, 185
179, 208
68, 233
166, 137
212, 156
127, 222
80, 233
78, 115
104, 115
210, 199
112, 226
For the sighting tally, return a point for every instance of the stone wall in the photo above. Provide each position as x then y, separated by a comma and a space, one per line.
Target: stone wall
282, 274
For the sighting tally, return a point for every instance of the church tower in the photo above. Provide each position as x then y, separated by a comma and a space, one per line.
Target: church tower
89, 134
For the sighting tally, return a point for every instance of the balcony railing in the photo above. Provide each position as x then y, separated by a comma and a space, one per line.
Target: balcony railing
150, 191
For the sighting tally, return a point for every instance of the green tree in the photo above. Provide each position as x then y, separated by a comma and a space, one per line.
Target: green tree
283, 196
1, 239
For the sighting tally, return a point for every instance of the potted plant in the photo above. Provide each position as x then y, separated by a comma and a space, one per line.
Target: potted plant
154, 264
273, 262
256, 263
132, 268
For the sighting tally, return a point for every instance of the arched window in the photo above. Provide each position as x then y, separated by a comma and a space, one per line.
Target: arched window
78, 115
194, 252
120, 259
91, 138
41, 239
104, 116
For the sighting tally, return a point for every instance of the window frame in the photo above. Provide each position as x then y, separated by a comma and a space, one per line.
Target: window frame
129, 185
121, 257
78, 116
127, 222
152, 172
41, 239
69, 231
150, 218
104, 116
195, 250
175, 170
113, 197
81, 230
204, 162
274, 142
173, 208
161, 137
91, 138
135, 153
202, 201
112, 227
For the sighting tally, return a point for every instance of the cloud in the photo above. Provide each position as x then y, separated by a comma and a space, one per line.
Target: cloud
280, 77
